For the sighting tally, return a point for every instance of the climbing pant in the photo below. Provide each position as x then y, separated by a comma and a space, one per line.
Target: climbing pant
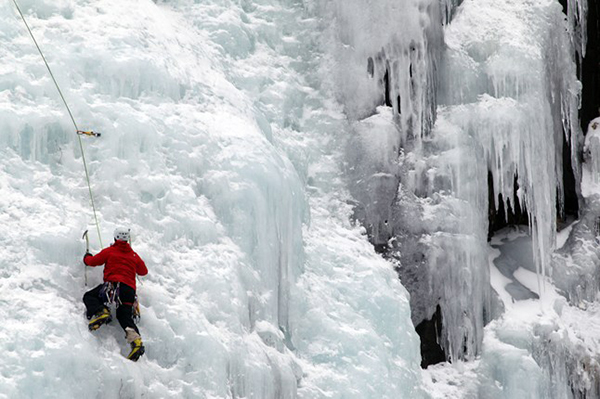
95, 300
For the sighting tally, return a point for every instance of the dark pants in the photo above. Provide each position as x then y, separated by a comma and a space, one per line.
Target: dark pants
94, 303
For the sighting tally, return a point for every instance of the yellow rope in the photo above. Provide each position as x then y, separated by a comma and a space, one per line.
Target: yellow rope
87, 175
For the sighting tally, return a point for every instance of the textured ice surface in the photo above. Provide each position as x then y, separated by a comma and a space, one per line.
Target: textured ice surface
576, 265
221, 148
508, 90
239, 139
384, 58
508, 100
522, 91
505, 80
538, 348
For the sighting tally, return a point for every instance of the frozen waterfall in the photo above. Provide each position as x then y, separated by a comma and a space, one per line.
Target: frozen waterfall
315, 185
220, 148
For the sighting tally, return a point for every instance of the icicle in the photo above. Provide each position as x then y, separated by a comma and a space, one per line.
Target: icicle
577, 18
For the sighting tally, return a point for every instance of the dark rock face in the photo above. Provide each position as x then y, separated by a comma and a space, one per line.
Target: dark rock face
510, 215
430, 332
570, 206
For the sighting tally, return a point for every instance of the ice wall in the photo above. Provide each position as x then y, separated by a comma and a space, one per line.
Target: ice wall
538, 348
577, 11
545, 340
386, 54
441, 243
383, 54
521, 82
221, 149
508, 99
401, 176
575, 265
512, 96
511, 93
217, 210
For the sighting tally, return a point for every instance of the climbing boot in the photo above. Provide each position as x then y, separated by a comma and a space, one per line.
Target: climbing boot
102, 317
135, 340
137, 350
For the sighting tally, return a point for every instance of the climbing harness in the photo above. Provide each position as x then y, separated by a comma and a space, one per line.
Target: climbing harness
79, 132
109, 294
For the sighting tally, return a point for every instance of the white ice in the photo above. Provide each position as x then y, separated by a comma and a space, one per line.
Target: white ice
508, 89
244, 142
221, 147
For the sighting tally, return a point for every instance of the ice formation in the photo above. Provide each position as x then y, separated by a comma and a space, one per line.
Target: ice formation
517, 102
220, 150
520, 95
539, 348
506, 84
247, 143
508, 98
506, 95
575, 263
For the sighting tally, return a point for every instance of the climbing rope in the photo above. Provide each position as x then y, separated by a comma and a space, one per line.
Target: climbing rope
79, 132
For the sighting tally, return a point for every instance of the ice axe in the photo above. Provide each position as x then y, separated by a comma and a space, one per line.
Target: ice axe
87, 250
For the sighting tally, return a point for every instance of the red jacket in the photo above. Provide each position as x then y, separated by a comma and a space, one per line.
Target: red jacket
122, 263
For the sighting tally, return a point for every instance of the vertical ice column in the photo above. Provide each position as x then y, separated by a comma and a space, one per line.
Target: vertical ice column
439, 240
577, 21
374, 172
441, 237
258, 197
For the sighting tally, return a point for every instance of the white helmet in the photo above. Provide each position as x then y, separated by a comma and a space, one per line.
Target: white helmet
122, 233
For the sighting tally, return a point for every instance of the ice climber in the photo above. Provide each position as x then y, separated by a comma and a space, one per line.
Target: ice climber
121, 266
